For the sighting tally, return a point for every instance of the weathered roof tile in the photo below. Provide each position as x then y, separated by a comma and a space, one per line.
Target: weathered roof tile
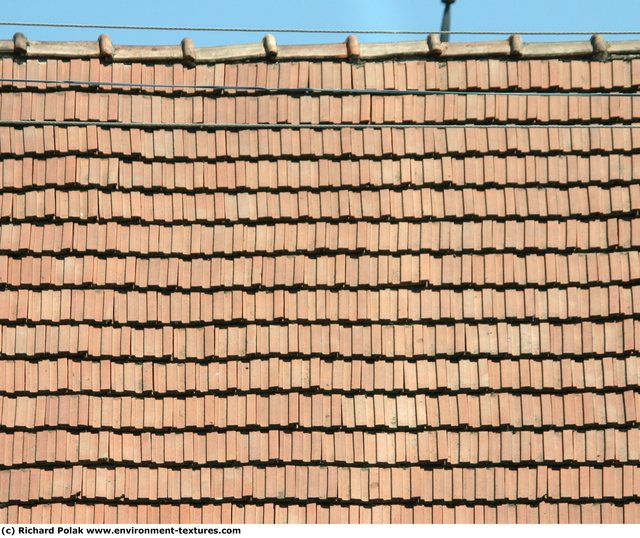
391, 297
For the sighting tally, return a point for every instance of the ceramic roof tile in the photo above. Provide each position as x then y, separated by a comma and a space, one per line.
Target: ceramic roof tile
434, 320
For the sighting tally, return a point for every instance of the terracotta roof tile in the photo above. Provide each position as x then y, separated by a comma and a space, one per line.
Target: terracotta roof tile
411, 323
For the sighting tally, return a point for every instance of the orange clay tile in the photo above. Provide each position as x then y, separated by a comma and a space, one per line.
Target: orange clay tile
298, 324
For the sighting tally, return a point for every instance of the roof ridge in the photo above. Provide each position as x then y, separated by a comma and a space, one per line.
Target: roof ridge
351, 49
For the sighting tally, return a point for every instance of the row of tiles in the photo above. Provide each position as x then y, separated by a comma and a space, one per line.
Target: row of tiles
166, 142
484, 340
489, 271
398, 74
76, 105
283, 374
439, 237
264, 513
409, 203
324, 449
348, 307
560, 170
293, 410
364, 306
345, 484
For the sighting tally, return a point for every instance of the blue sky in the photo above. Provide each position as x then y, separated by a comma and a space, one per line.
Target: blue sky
498, 15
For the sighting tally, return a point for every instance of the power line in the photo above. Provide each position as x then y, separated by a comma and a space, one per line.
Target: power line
299, 126
306, 30
309, 90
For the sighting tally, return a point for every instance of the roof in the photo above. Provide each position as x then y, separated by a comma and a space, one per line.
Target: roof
512, 47
239, 289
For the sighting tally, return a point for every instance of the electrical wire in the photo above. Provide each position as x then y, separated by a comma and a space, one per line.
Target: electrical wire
306, 30
299, 126
309, 90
